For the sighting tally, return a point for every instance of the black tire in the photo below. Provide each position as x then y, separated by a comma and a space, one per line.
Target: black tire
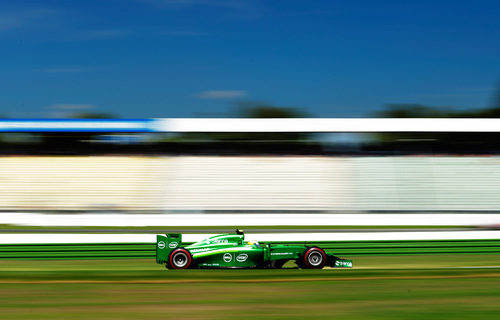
180, 259
313, 258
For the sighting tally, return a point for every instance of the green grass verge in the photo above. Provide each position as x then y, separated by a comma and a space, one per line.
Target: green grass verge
340, 248
379, 287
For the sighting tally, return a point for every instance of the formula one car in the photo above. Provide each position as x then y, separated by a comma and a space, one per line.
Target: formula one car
232, 251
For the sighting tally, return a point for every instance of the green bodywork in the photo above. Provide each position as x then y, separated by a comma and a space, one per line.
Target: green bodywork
232, 251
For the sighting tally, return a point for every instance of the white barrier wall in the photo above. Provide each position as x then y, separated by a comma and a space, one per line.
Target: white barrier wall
250, 183
80, 183
258, 183
426, 183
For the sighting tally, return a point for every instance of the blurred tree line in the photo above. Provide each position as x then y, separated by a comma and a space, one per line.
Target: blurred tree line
250, 142
177, 143
267, 142
452, 142
260, 111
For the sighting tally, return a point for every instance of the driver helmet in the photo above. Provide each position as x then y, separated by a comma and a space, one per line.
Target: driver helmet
253, 242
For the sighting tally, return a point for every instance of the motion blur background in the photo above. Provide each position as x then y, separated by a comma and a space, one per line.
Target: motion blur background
417, 212
249, 59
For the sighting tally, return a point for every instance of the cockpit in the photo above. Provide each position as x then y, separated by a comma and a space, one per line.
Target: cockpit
253, 243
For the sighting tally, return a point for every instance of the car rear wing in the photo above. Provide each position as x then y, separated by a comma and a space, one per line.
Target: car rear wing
165, 244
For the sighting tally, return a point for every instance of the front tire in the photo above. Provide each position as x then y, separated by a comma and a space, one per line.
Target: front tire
314, 258
180, 259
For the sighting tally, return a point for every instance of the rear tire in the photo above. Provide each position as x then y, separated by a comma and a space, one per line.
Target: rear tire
180, 259
314, 258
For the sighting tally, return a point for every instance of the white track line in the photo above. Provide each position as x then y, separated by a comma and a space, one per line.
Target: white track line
235, 220
46, 238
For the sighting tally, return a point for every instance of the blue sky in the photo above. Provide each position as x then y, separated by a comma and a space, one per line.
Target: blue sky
188, 58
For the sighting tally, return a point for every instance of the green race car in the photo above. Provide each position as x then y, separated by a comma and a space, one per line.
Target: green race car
232, 251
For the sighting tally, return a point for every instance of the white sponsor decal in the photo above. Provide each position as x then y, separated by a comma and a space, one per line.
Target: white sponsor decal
340, 263
219, 241
242, 257
161, 244
280, 253
173, 244
200, 250
227, 257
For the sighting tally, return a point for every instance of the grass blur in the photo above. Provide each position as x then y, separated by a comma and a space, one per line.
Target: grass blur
360, 299
379, 287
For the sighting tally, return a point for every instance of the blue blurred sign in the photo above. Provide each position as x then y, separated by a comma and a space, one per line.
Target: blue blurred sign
76, 125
